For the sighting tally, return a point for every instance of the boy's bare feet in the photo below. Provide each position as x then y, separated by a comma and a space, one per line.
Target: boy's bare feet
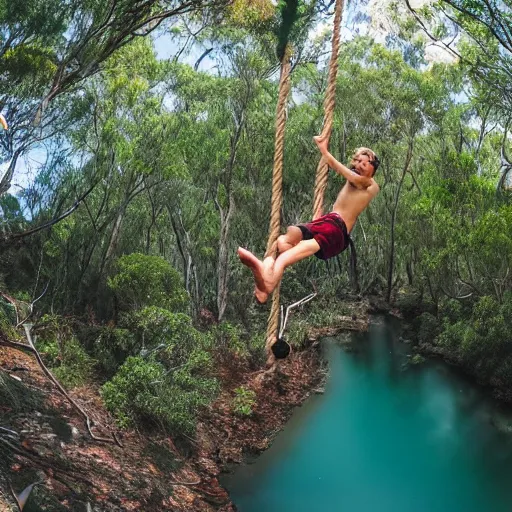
261, 290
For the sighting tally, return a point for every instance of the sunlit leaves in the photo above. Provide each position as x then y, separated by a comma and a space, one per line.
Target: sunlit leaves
28, 65
148, 280
251, 13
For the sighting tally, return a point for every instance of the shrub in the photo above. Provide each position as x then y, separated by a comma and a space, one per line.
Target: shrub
450, 310
145, 391
296, 333
171, 335
76, 365
417, 359
68, 361
227, 339
256, 345
482, 341
429, 328
7, 318
112, 346
147, 281
244, 401
170, 379
452, 335
408, 301
63, 353
131, 394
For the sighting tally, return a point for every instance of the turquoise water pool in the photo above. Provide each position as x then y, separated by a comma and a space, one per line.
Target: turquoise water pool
384, 439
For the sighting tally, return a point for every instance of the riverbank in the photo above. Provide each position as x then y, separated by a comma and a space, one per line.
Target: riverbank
50, 442
496, 387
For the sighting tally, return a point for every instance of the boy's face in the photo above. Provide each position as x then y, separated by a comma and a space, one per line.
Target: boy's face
363, 166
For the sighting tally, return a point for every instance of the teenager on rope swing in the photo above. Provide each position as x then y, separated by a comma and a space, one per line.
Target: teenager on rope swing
326, 236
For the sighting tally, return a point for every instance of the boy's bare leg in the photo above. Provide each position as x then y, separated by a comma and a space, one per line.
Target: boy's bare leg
292, 237
272, 274
259, 269
269, 272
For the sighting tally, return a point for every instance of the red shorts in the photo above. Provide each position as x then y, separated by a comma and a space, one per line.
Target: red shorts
330, 232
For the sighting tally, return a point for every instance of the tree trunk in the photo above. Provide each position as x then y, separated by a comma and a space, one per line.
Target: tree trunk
5, 183
116, 232
408, 159
190, 276
223, 269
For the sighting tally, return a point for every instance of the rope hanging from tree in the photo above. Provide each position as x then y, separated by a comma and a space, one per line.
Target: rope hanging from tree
277, 173
277, 196
322, 170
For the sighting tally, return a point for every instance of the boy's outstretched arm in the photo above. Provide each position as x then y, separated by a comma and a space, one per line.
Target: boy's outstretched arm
351, 176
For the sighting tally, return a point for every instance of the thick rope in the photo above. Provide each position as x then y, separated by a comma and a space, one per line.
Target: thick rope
277, 174
322, 170
277, 196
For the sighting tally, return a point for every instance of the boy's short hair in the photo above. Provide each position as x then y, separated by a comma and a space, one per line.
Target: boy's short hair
374, 159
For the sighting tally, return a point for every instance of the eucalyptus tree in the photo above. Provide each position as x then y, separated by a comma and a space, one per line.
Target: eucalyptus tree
50, 49
123, 149
478, 35
215, 114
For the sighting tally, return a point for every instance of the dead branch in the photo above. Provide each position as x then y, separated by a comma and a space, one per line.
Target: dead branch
55, 466
31, 349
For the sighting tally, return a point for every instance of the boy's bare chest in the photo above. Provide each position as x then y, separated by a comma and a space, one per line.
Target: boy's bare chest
352, 197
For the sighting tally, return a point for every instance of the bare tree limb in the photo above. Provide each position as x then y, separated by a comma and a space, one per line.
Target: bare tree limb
67, 213
31, 349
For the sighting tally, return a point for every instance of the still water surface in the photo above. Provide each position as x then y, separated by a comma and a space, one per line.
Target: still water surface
385, 439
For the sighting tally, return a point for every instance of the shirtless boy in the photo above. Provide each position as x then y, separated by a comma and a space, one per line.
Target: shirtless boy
326, 236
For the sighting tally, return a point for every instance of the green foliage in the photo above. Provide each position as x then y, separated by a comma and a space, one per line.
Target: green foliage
111, 348
172, 335
147, 281
296, 333
483, 340
429, 328
144, 391
7, 318
30, 62
63, 353
76, 366
227, 339
450, 310
250, 13
171, 378
172, 149
417, 359
244, 401
132, 395
256, 344
67, 360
